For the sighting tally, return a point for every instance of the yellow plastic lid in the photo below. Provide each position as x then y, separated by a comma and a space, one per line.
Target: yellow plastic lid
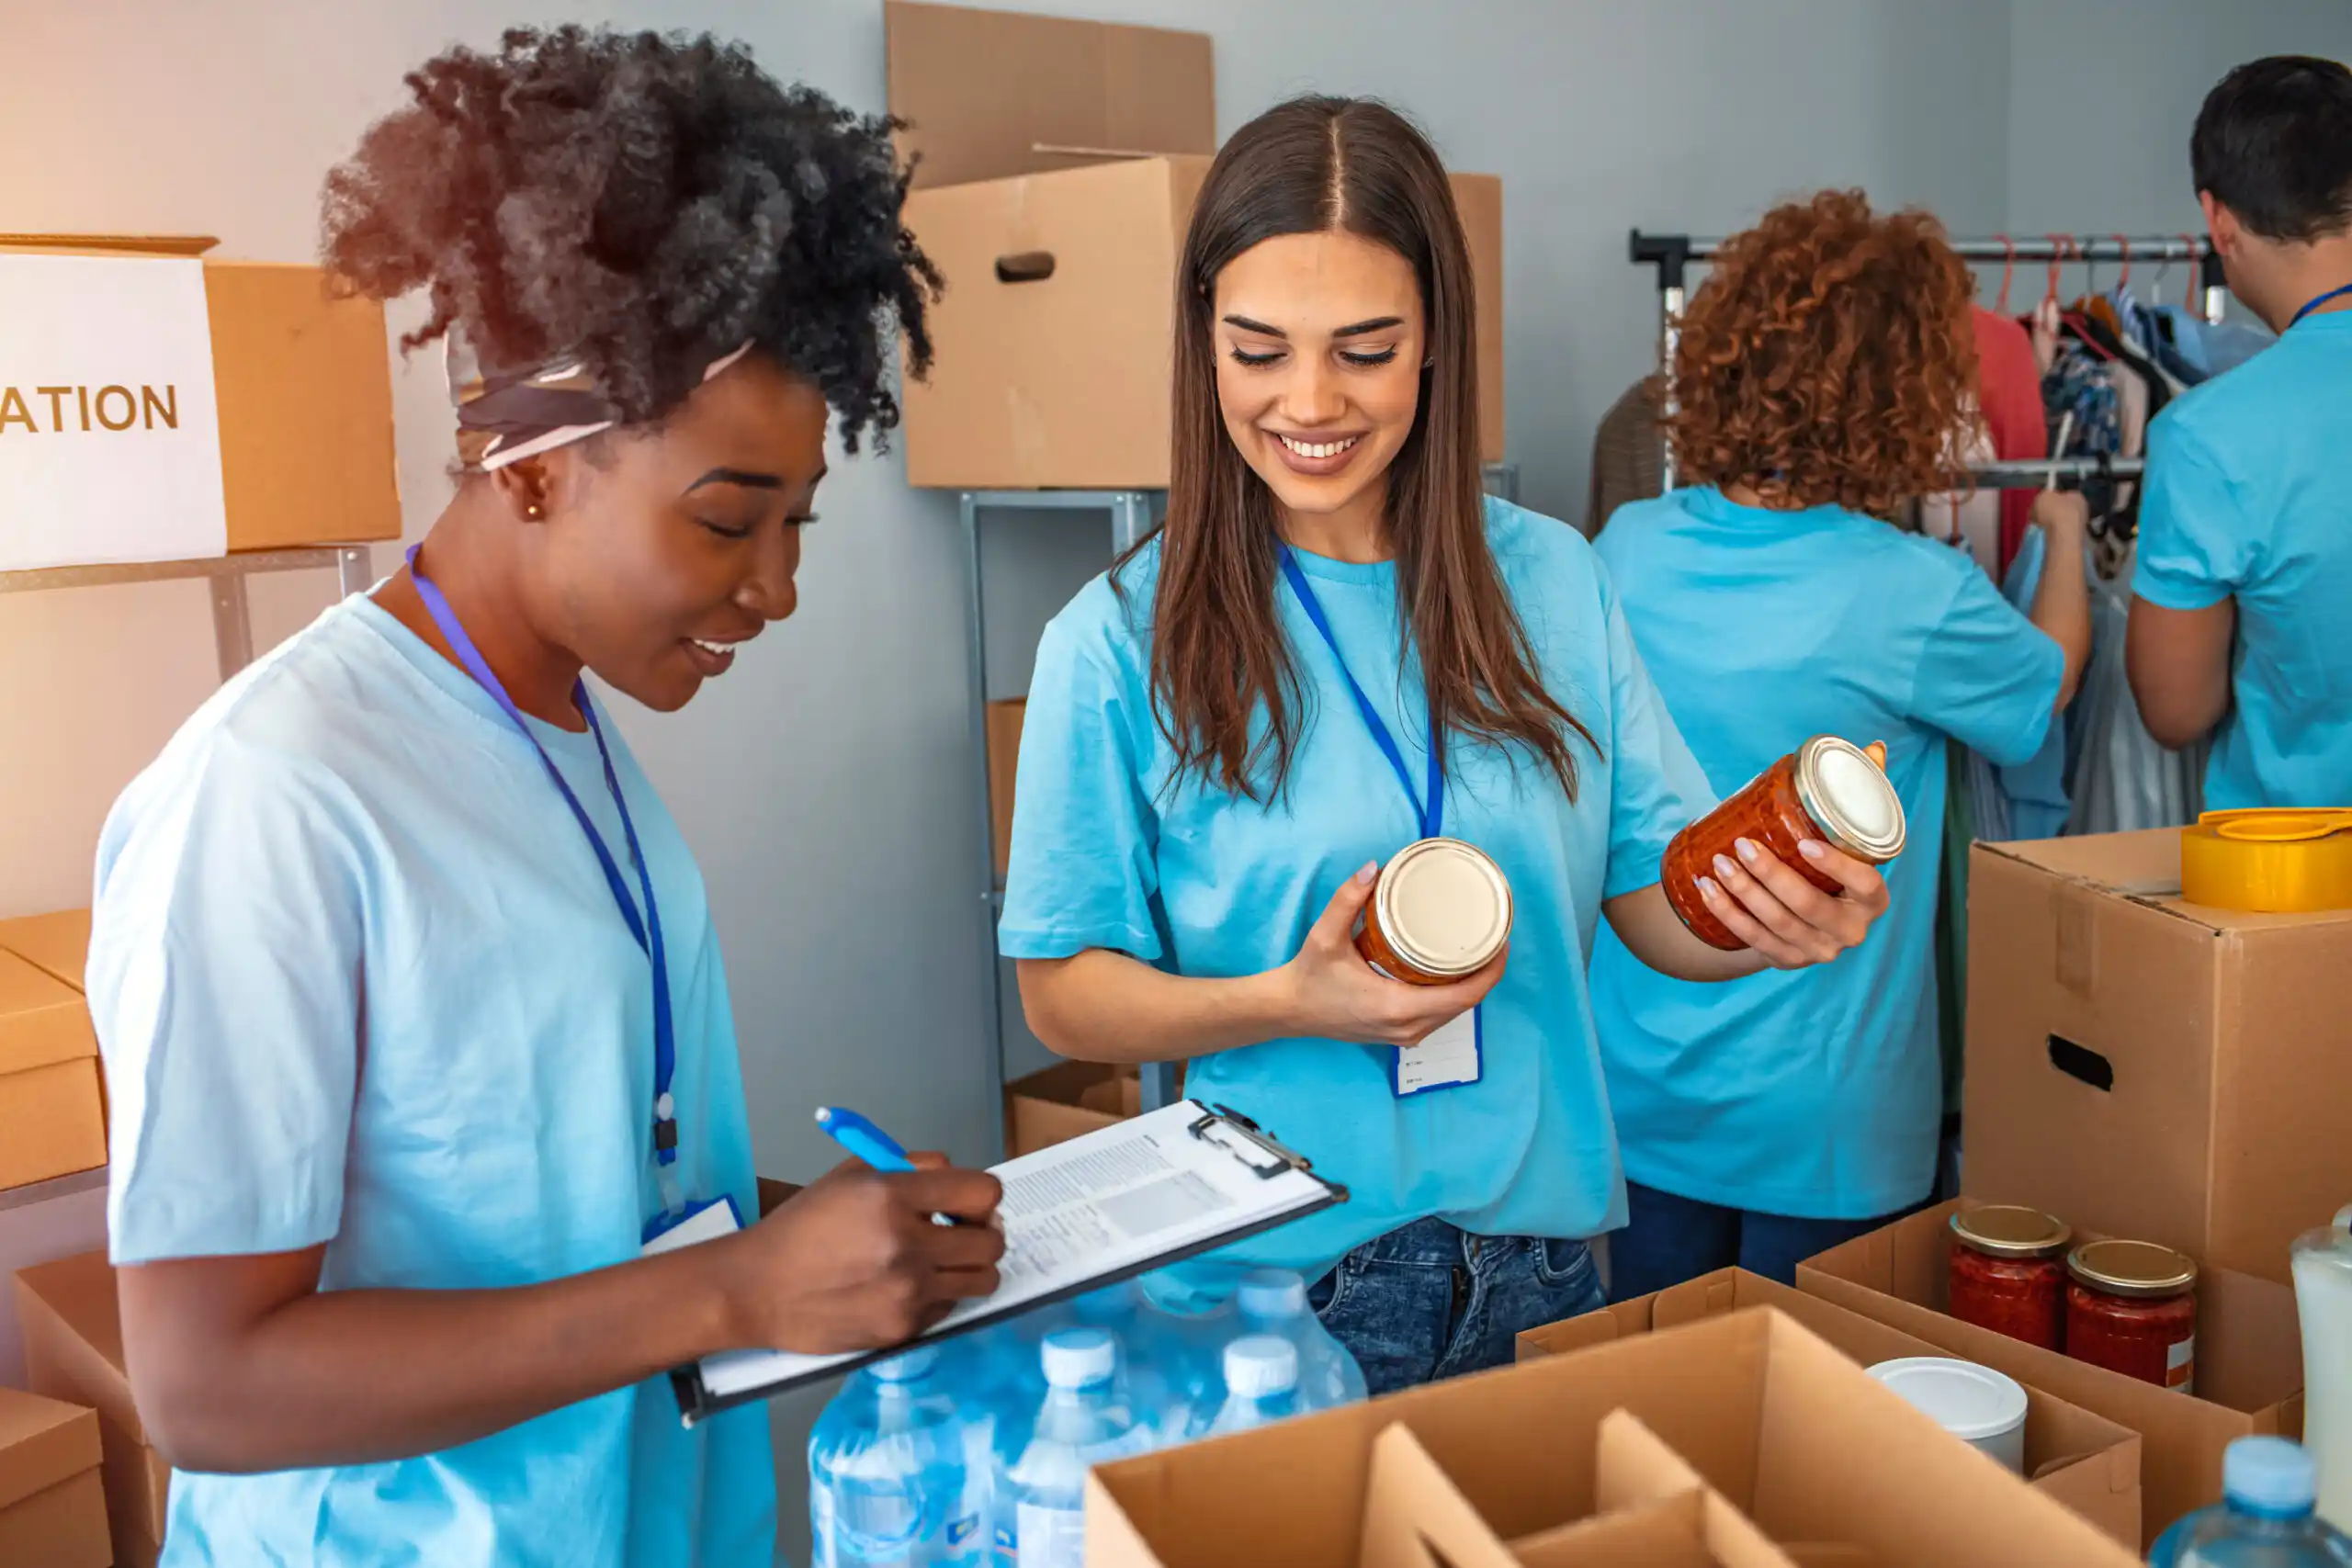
2270, 861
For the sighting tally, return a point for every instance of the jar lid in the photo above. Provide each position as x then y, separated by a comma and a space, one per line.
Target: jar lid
2131, 1269
1849, 799
2010, 1230
1444, 907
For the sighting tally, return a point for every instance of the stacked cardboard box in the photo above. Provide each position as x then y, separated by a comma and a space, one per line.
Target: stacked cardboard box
2149, 1067
2087, 1461
52, 1109
2249, 1356
73, 1351
1069, 1101
1052, 189
52, 1513
1792, 1453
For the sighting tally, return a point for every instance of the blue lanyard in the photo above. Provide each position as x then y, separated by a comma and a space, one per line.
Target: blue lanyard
647, 932
2311, 305
1432, 815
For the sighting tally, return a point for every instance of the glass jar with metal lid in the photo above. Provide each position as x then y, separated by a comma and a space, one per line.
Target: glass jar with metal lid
1440, 911
2008, 1271
1828, 789
2131, 1308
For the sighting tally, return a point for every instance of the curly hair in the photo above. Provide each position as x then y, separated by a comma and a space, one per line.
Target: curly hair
640, 202
1829, 357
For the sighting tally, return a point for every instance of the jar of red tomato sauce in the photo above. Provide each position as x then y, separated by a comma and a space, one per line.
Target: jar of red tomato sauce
1440, 911
2131, 1308
1827, 789
2008, 1272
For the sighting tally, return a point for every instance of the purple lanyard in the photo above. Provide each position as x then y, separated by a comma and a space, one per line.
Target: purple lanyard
647, 932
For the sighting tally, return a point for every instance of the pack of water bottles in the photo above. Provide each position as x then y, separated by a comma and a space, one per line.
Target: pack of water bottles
973, 1453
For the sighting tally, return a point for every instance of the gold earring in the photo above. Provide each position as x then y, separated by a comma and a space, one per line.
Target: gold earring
533, 511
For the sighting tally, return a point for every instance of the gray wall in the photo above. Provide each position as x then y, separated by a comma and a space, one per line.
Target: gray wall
825, 783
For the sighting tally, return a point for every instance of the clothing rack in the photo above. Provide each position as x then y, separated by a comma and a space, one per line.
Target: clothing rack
1672, 254
2032, 473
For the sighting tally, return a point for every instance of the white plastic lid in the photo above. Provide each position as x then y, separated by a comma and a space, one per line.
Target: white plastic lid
915, 1363
1272, 1292
1966, 1400
2269, 1475
1260, 1365
1080, 1358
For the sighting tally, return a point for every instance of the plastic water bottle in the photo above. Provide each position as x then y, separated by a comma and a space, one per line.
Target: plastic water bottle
1274, 1301
1185, 1333
2265, 1519
1082, 1421
890, 1475
1261, 1383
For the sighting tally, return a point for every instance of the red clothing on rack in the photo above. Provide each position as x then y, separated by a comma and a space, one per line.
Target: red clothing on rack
2010, 392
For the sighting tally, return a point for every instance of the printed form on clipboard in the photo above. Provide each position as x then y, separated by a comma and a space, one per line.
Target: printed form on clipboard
1155, 1189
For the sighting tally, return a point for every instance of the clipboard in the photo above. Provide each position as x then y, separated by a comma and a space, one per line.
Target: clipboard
1152, 1190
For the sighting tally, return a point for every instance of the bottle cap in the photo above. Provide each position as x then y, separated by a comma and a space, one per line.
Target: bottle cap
1260, 1365
1272, 1292
1080, 1358
2269, 1475
915, 1363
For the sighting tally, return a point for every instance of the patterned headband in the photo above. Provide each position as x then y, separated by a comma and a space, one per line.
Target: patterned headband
503, 416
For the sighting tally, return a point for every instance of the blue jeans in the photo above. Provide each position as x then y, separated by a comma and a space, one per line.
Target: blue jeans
1668, 1239
1428, 1300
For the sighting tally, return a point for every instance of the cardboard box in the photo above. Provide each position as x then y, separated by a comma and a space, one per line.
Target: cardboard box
72, 1331
2147, 1067
1053, 191
2087, 1461
58, 944
2249, 1356
52, 1116
1005, 761
52, 1513
1797, 1437
1068, 1101
1652, 1509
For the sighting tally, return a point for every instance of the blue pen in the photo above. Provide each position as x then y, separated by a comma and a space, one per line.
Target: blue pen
870, 1143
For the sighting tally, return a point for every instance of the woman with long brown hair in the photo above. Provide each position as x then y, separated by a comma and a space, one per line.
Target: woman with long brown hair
1823, 370
1337, 646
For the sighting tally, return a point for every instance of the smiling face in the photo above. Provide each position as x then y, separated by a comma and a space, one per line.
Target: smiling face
661, 553
1319, 343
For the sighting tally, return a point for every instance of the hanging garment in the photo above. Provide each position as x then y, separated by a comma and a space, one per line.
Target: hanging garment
1968, 520
1952, 923
1628, 453
2030, 800
2212, 347
2118, 777
2008, 390
2080, 383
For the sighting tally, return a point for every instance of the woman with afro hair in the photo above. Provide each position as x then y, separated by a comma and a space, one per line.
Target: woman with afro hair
415, 1026
1825, 379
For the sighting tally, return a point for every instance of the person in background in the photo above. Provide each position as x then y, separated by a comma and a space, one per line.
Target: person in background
1337, 646
2240, 593
415, 1027
1824, 367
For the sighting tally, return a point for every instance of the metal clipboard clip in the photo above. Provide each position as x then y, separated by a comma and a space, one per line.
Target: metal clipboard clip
1229, 1129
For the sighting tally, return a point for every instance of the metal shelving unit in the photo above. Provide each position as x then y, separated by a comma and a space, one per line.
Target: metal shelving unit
1133, 513
232, 629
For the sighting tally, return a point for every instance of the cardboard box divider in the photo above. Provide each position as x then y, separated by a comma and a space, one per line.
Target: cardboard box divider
53, 1111
1793, 1435
52, 1510
2249, 1356
2088, 1461
1053, 194
2144, 1066
303, 380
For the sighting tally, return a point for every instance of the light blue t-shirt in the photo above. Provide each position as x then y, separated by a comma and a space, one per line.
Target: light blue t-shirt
360, 982
2249, 495
1110, 851
1813, 1092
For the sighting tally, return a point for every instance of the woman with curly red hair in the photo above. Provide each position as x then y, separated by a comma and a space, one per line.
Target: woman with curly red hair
1825, 377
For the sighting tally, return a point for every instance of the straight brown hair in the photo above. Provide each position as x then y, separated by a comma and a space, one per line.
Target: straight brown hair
1218, 654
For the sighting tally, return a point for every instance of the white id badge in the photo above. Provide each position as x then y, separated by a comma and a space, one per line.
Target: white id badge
1451, 1055
701, 1222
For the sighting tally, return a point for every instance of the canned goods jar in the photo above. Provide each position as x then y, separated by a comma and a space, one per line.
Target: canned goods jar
1828, 789
2008, 1271
1440, 911
2131, 1308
